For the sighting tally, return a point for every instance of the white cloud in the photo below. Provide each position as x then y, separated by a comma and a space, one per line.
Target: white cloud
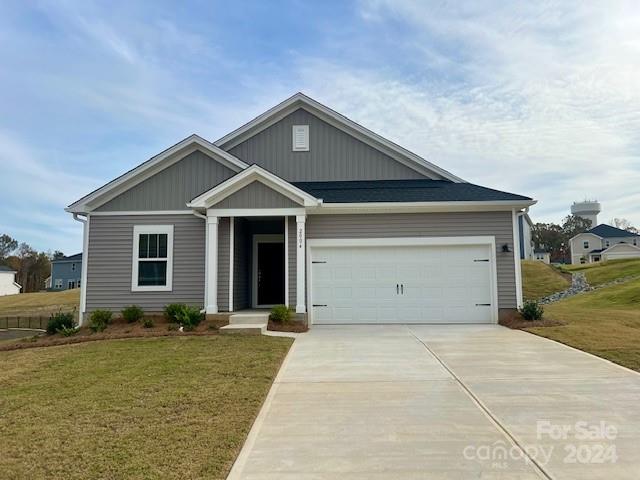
546, 101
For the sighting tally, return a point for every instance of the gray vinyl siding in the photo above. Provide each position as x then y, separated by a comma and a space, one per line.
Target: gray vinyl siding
498, 224
292, 261
333, 154
173, 187
256, 195
110, 257
223, 264
241, 265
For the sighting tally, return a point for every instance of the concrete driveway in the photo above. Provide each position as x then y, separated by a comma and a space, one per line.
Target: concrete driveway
436, 402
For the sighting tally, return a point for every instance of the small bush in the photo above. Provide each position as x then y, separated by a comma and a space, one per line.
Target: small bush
281, 314
132, 313
58, 321
99, 320
532, 310
171, 311
188, 317
147, 322
68, 331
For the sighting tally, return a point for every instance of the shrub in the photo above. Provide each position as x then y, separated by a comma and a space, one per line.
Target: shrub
68, 331
171, 311
281, 314
99, 320
58, 321
132, 313
147, 323
532, 310
188, 317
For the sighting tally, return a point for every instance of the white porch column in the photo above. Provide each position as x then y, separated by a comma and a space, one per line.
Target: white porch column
211, 271
300, 264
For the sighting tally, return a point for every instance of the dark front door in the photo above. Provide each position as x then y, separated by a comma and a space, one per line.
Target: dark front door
270, 273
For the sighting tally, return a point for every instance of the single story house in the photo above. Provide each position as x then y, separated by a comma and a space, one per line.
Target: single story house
602, 243
304, 207
66, 273
542, 255
8, 285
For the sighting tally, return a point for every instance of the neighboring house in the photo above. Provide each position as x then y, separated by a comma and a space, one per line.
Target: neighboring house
542, 255
604, 242
66, 273
304, 207
525, 225
8, 285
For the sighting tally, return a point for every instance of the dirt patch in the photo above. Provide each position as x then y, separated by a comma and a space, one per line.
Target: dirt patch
116, 330
514, 320
294, 327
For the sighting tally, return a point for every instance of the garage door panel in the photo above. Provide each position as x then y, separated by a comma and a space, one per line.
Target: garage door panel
441, 284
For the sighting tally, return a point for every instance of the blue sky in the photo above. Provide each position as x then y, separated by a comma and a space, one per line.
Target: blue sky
537, 98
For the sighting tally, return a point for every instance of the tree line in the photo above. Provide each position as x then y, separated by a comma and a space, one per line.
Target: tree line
555, 238
33, 267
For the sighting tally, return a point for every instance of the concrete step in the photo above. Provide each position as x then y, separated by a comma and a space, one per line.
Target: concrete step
249, 318
244, 329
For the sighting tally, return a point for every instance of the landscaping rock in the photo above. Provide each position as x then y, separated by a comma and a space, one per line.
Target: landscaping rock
579, 284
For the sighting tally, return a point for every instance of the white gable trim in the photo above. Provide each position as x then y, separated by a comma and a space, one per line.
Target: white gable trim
619, 245
252, 174
299, 100
152, 166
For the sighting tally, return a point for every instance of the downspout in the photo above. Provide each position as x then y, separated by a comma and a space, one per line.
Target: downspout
85, 259
206, 242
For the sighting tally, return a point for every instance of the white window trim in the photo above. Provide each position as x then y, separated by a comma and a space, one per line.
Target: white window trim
305, 131
137, 231
57, 283
585, 244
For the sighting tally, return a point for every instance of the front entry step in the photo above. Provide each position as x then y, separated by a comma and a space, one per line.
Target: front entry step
244, 329
250, 323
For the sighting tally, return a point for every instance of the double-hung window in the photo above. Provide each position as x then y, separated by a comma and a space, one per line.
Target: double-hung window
152, 269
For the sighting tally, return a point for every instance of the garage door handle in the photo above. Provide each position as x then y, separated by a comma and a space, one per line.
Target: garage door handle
319, 305
397, 289
482, 260
483, 304
402, 289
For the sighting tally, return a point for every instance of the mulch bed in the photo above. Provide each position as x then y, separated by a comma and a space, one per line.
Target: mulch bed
118, 329
515, 321
293, 327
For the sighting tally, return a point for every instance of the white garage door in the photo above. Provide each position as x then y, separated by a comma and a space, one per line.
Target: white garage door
402, 284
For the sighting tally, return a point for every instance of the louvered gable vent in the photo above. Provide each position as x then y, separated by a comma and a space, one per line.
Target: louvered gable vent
300, 138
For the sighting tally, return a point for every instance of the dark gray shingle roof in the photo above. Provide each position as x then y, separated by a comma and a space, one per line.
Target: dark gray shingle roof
607, 231
70, 258
402, 191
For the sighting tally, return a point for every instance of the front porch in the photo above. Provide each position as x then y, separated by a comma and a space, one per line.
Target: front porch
254, 262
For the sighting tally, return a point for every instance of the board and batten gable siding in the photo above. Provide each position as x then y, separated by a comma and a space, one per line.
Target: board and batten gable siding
333, 154
173, 187
498, 224
110, 262
256, 195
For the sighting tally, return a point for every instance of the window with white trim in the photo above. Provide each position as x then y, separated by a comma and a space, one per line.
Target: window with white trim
58, 283
606, 243
152, 269
73, 267
71, 284
300, 138
586, 244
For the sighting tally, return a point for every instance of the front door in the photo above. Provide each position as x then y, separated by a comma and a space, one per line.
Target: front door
269, 271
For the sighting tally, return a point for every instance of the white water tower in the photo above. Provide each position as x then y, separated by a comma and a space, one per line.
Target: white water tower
589, 210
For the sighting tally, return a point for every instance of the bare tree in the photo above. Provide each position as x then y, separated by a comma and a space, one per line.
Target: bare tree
623, 224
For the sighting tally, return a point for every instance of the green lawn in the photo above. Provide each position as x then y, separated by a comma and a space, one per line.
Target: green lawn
39, 303
540, 280
605, 322
603, 272
165, 408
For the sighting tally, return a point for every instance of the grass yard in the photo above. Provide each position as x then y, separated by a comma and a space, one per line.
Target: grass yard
166, 408
603, 272
39, 303
605, 322
540, 280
